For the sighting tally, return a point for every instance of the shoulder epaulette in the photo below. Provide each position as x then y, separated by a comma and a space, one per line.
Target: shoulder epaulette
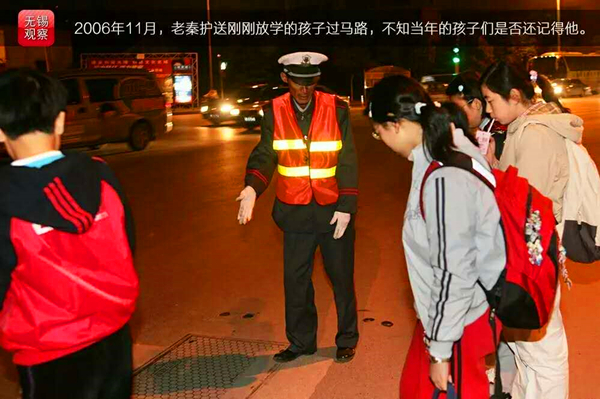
340, 103
268, 105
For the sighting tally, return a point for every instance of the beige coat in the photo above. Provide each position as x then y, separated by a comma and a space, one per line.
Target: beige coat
535, 144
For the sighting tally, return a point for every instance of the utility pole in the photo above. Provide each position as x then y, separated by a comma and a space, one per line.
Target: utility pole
210, 61
456, 60
558, 20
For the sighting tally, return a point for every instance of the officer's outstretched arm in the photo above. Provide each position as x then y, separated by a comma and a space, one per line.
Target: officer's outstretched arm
259, 170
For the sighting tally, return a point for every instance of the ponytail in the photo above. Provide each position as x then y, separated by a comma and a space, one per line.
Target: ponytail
460, 120
437, 132
548, 94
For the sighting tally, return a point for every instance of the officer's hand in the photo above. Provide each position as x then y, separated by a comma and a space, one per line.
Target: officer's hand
247, 199
342, 220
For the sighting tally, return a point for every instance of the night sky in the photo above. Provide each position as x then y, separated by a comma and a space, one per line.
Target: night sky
252, 59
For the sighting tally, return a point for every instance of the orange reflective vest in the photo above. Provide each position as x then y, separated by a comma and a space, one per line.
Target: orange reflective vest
307, 165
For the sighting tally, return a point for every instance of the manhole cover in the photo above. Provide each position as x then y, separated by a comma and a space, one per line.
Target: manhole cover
200, 367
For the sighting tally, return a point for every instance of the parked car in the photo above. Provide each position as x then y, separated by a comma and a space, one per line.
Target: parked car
570, 88
436, 85
436, 90
111, 106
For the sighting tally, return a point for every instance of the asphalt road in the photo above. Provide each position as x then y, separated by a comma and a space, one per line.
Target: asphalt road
195, 262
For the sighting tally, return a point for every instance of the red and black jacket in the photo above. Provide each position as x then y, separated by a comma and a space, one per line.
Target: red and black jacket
66, 258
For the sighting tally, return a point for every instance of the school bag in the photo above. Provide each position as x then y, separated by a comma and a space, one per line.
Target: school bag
581, 207
524, 294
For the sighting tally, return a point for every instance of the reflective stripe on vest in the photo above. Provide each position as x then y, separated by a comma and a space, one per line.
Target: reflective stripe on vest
325, 146
315, 146
281, 145
305, 171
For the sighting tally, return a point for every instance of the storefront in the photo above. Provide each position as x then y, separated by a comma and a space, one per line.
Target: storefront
177, 73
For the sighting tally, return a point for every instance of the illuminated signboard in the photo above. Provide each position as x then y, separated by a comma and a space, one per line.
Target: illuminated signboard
183, 89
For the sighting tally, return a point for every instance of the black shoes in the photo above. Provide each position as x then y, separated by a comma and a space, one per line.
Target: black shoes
344, 355
288, 355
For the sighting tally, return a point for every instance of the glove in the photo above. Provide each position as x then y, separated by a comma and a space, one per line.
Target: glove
247, 199
342, 219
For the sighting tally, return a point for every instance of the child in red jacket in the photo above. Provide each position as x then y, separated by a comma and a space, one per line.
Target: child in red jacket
67, 282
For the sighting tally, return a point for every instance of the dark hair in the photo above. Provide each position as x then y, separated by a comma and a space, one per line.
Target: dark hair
502, 77
29, 101
459, 118
466, 86
548, 92
396, 97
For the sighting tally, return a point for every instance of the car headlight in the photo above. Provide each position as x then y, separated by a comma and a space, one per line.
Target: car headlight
234, 112
204, 108
558, 90
261, 113
226, 108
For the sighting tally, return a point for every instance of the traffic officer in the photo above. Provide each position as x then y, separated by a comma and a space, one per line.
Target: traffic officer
306, 135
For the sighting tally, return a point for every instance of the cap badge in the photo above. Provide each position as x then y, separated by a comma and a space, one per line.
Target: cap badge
306, 60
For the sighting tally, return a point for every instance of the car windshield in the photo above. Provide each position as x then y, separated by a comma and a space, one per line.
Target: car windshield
270, 93
247, 94
435, 87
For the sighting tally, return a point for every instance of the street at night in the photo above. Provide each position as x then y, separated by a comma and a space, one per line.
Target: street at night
202, 273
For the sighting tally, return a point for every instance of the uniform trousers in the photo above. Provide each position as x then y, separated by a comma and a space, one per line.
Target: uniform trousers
300, 310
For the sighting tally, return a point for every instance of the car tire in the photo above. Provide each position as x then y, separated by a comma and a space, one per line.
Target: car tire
140, 136
216, 123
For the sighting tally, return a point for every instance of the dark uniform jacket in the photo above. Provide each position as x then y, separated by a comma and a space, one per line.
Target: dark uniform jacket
312, 217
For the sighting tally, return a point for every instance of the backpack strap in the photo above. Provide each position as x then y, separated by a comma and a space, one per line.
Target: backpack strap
434, 165
461, 161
